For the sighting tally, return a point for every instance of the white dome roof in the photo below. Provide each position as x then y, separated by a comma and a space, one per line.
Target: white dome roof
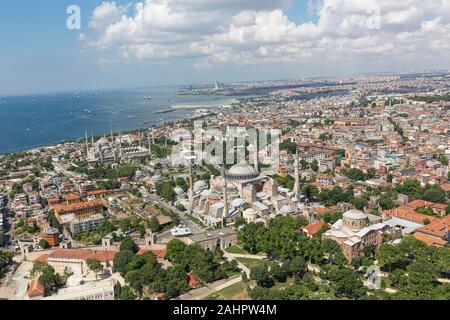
200, 185
355, 215
178, 190
250, 213
242, 171
103, 141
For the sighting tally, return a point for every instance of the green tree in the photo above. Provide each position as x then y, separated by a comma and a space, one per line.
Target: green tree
44, 244
2, 239
153, 224
95, 266
315, 165
347, 284
127, 244
434, 194
121, 261
260, 273
356, 174
174, 250
5, 262
298, 267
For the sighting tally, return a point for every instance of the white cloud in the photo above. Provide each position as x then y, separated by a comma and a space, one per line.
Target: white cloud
255, 31
105, 14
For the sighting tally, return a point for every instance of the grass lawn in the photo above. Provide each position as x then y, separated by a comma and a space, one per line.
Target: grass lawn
237, 291
250, 263
236, 250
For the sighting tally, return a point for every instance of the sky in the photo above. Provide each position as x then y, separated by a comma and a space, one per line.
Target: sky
173, 42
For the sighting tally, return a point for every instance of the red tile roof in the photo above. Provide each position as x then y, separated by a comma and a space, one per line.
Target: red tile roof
312, 229
83, 254
35, 289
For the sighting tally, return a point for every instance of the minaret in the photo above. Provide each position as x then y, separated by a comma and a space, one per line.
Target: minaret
120, 145
87, 143
139, 137
149, 145
297, 175
256, 156
113, 145
225, 198
191, 189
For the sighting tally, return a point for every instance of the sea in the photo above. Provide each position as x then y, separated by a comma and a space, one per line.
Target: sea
28, 122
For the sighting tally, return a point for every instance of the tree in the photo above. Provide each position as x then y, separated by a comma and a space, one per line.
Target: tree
3, 239
360, 203
51, 280
124, 293
315, 165
153, 224
356, 174
260, 273
44, 244
251, 235
310, 191
434, 194
121, 261
134, 279
348, 284
176, 281
5, 262
174, 250
444, 160
95, 266
391, 257
277, 272
298, 266
128, 244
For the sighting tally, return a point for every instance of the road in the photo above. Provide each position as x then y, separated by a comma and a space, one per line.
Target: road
203, 292
195, 228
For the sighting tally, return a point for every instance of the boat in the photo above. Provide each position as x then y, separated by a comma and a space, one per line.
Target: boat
148, 98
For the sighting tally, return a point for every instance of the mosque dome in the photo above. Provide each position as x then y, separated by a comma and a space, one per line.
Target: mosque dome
178, 191
242, 171
250, 215
355, 220
200, 186
103, 141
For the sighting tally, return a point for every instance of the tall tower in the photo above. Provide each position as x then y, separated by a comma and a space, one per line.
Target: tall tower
256, 155
297, 175
191, 190
149, 145
87, 143
113, 146
225, 198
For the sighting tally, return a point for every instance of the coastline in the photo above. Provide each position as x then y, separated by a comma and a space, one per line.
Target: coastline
32, 122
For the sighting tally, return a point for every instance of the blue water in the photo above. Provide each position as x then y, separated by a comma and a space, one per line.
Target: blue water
31, 121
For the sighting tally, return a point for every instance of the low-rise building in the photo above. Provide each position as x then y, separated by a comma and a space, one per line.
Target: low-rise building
78, 226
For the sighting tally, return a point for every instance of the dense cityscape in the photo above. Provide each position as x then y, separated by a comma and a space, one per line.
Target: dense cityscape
357, 206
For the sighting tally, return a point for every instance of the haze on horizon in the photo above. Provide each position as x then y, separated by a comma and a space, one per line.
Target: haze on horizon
146, 43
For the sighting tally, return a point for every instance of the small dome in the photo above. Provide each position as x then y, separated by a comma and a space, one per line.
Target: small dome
200, 185
285, 210
355, 215
242, 171
103, 141
178, 191
250, 213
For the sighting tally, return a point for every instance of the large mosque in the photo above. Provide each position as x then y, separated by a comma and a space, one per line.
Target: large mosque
241, 191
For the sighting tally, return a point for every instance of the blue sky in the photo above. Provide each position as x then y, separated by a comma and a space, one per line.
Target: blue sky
38, 53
